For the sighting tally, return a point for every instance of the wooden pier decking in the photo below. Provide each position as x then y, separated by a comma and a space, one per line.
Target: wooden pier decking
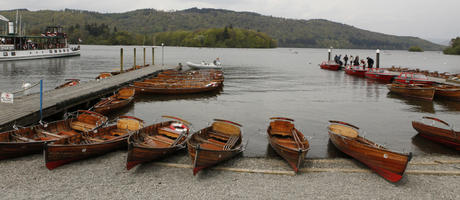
26, 109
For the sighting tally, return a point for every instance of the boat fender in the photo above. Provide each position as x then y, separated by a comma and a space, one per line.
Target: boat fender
178, 127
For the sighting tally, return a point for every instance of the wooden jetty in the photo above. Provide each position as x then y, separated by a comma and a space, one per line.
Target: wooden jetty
26, 110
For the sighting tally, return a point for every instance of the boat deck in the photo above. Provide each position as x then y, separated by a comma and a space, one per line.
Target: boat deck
26, 109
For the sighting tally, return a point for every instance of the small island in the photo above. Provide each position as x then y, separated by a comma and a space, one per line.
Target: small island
454, 48
227, 37
415, 49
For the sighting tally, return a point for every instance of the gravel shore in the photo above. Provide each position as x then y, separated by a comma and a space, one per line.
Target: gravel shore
105, 177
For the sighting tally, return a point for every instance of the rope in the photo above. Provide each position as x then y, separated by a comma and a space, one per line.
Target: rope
22, 90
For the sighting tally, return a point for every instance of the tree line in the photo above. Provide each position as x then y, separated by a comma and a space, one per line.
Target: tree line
454, 48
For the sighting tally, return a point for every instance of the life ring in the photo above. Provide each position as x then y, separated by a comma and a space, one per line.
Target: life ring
178, 127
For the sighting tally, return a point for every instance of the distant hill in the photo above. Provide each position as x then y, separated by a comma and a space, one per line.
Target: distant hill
316, 33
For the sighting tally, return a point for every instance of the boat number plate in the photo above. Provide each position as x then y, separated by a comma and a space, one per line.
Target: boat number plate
83, 150
385, 156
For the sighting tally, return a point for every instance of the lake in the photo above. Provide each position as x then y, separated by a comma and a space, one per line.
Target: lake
262, 83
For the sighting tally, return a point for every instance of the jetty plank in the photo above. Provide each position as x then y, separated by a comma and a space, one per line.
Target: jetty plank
26, 110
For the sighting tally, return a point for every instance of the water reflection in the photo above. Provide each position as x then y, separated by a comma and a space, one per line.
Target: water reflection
417, 105
448, 104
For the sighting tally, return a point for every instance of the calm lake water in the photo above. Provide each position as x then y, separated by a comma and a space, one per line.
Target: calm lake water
262, 83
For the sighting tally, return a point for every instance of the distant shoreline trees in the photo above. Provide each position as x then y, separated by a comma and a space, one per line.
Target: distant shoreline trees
454, 48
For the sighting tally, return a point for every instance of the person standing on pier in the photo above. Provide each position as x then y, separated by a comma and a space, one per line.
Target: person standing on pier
345, 58
370, 62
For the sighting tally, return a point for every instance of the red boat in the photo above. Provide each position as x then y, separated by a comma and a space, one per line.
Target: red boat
355, 70
445, 136
330, 65
412, 78
380, 75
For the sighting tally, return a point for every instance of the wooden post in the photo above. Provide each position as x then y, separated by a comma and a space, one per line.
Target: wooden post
144, 57
377, 58
153, 56
121, 60
329, 55
134, 57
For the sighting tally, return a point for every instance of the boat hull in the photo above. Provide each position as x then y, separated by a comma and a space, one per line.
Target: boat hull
426, 93
38, 54
113, 106
446, 137
385, 78
413, 81
389, 165
355, 72
294, 158
13, 150
446, 93
332, 67
203, 158
57, 155
139, 154
153, 90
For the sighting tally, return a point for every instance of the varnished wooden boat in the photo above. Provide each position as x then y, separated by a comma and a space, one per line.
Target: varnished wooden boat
122, 98
176, 88
156, 141
90, 144
32, 139
450, 92
420, 91
287, 141
214, 144
69, 83
388, 164
446, 136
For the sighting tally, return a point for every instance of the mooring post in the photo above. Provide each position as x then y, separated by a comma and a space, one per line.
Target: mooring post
121, 60
162, 54
377, 58
134, 57
153, 56
41, 100
144, 57
329, 55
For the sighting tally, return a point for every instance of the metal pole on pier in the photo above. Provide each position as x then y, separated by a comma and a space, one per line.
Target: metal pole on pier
162, 54
153, 56
41, 100
377, 58
134, 57
329, 55
121, 59
144, 57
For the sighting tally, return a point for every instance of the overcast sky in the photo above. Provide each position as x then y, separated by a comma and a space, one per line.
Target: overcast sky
429, 19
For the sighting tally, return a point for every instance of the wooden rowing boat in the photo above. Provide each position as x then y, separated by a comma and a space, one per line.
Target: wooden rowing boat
156, 141
29, 140
446, 136
420, 91
287, 141
69, 83
176, 88
122, 98
90, 144
214, 144
446, 91
388, 164
32, 139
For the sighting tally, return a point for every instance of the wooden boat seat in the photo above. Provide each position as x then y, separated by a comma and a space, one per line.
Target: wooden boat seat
68, 133
94, 139
344, 130
155, 143
160, 138
82, 126
282, 128
129, 124
168, 132
225, 128
211, 146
